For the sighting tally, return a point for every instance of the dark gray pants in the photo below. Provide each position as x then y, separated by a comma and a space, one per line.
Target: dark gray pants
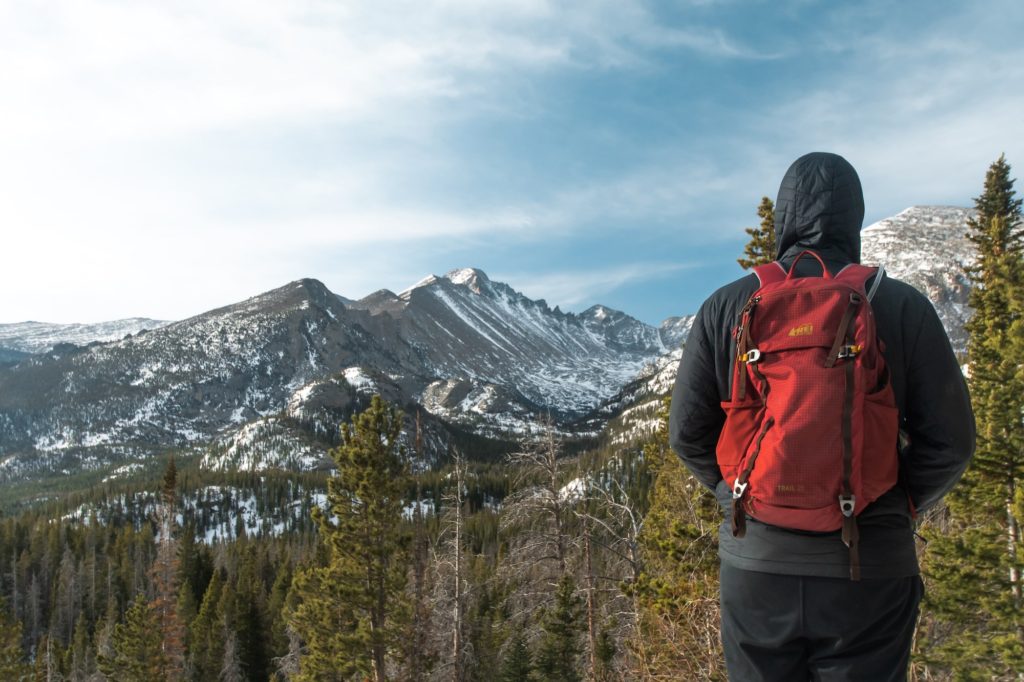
787, 628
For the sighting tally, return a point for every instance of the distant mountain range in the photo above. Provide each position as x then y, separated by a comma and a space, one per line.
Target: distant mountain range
264, 382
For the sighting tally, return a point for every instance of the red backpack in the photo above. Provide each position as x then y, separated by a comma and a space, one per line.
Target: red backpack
810, 435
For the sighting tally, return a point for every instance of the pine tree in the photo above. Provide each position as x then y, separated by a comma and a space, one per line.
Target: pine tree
559, 646
206, 634
676, 592
975, 559
137, 647
248, 621
761, 247
518, 664
165, 577
12, 657
278, 634
351, 612
82, 654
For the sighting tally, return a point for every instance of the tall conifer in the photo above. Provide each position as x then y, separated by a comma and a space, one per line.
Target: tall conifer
559, 648
676, 591
351, 612
12, 657
518, 664
975, 563
165, 576
137, 647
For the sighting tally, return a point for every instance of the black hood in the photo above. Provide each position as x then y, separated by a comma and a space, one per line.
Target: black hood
820, 207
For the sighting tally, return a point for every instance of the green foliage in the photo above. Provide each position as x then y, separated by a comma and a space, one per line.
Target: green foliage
518, 664
761, 248
137, 651
81, 654
350, 613
677, 589
206, 636
12, 658
559, 647
974, 560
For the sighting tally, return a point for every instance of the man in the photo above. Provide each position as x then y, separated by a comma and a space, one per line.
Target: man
789, 608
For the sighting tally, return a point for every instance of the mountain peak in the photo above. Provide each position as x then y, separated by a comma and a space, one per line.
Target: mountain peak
472, 278
601, 313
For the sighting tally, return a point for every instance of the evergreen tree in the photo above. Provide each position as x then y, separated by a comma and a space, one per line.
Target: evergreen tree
351, 612
206, 635
518, 665
761, 247
83, 660
165, 577
676, 592
248, 620
320, 615
559, 648
278, 635
12, 657
137, 647
974, 560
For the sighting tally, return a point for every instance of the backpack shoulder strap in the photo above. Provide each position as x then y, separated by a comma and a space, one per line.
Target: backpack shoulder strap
770, 273
857, 276
878, 280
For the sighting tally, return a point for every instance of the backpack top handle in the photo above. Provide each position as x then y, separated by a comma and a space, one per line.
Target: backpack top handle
824, 271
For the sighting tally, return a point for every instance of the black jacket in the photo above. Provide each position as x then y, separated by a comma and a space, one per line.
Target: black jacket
820, 207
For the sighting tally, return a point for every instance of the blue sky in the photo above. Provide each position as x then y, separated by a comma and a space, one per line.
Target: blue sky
161, 159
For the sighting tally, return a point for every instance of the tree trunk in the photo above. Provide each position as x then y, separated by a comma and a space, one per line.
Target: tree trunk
591, 621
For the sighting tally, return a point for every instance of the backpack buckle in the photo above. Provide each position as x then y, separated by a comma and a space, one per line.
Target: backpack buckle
847, 504
738, 489
847, 352
751, 356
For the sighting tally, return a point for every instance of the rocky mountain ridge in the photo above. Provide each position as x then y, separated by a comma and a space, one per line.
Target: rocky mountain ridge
474, 353
264, 382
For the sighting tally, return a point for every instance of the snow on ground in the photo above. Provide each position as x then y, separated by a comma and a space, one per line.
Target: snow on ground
124, 471
358, 379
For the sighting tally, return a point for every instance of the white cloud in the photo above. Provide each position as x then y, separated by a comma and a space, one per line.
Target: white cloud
162, 158
574, 287
920, 122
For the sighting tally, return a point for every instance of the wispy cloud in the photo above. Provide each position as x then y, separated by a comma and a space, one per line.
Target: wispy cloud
574, 287
206, 149
919, 116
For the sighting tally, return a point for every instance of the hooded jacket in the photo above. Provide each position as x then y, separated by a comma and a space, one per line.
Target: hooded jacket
820, 207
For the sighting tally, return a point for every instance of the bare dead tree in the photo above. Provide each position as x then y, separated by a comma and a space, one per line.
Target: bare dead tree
539, 505
610, 525
287, 666
451, 585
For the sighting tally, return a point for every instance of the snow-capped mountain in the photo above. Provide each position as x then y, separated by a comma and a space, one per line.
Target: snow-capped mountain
471, 351
264, 382
27, 338
927, 247
503, 347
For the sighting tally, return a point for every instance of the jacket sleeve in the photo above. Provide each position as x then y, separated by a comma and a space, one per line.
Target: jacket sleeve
696, 417
939, 420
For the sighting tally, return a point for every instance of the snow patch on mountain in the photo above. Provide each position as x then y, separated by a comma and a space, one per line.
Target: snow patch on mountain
262, 444
927, 247
40, 337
